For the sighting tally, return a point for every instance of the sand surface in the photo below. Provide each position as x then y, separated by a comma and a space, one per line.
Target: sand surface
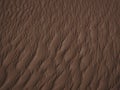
59, 44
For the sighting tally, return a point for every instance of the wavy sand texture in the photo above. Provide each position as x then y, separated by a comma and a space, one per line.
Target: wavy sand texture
59, 44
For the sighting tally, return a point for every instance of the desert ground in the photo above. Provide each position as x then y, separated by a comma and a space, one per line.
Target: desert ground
59, 44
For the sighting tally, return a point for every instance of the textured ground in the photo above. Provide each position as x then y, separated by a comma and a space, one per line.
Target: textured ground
59, 44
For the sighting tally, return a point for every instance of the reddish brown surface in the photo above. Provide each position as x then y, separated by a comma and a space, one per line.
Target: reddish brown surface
59, 44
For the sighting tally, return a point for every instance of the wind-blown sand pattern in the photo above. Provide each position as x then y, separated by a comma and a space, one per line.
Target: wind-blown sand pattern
59, 44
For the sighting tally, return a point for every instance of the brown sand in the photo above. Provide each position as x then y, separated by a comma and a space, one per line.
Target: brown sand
59, 44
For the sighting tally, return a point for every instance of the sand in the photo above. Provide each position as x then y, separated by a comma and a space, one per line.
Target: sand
59, 44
